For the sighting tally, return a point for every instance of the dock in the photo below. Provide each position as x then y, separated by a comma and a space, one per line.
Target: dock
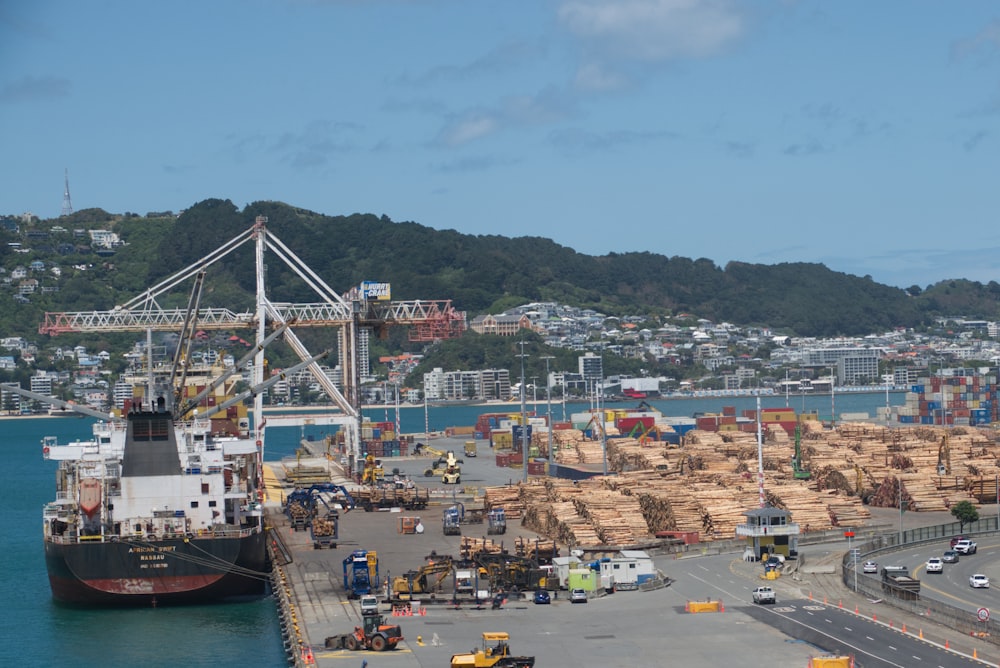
630, 628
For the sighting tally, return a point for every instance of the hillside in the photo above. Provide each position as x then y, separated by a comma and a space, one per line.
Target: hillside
478, 273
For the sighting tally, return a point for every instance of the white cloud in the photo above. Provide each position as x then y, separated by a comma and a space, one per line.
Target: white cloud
654, 30
467, 129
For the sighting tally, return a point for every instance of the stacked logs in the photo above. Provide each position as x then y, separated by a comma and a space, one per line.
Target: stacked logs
709, 484
473, 546
322, 527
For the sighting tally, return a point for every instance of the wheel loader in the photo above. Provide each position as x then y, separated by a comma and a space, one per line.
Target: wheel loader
495, 653
375, 635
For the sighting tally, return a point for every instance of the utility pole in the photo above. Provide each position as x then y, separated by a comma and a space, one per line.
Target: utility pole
548, 409
900, 484
833, 410
524, 417
427, 422
761, 499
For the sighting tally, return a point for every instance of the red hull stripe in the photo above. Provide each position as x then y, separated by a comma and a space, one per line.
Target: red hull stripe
156, 586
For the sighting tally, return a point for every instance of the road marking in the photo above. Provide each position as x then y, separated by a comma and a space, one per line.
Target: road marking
892, 648
829, 621
870, 638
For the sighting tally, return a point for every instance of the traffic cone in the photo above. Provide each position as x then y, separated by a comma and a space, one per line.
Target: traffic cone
824, 599
874, 617
810, 596
975, 655
722, 606
921, 634
855, 608
904, 627
890, 623
687, 606
840, 604
946, 645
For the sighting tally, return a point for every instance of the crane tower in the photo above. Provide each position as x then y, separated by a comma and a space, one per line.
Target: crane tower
355, 313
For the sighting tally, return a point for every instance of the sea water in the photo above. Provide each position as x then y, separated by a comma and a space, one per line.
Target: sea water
37, 631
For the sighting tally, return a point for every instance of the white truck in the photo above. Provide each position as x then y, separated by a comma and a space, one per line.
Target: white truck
762, 595
464, 582
965, 547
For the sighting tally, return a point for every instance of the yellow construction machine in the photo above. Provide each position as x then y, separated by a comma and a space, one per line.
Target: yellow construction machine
372, 473
448, 467
944, 457
426, 580
495, 652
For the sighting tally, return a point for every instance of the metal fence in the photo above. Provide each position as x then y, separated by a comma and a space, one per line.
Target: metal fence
965, 621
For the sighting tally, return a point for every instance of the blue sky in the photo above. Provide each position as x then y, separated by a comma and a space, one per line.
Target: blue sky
863, 135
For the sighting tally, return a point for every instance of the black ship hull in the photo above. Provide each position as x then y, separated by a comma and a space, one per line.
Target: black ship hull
163, 572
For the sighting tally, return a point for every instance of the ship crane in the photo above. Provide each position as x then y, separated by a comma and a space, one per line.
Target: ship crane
351, 313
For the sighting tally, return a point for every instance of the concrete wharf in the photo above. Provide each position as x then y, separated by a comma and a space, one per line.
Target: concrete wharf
633, 628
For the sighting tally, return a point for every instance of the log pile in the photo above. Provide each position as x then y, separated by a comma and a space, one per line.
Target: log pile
322, 527
473, 546
617, 519
708, 484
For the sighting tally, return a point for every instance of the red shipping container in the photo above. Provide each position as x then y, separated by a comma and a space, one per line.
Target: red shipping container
688, 537
503, 461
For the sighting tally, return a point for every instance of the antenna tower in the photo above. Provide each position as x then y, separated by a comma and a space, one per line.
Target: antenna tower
67, 205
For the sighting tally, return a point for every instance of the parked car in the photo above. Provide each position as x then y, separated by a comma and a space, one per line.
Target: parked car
870, 567
369, 605
950, 557
934, 565
542, 597
578, 596
979, 581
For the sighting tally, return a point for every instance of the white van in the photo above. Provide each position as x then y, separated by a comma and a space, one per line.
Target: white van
369, 604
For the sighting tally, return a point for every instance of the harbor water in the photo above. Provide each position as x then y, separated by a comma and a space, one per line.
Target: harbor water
37, 631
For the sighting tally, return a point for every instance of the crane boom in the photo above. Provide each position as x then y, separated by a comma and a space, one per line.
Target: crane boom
351, 312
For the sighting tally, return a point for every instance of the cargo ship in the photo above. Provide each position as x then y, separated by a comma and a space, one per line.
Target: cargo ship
156, 510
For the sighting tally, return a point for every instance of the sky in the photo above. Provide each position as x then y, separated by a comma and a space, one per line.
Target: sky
861, 135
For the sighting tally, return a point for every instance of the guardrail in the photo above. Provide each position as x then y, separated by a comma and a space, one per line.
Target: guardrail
961, 620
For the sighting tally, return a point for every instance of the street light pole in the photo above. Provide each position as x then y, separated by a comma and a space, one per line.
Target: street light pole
833, 410
900, 484
548, 408
524, 417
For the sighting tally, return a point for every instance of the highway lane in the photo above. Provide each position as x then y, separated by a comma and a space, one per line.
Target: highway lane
826, 628
951, 586
872, 644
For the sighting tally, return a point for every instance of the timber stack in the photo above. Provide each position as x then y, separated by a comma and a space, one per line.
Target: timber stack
708, 484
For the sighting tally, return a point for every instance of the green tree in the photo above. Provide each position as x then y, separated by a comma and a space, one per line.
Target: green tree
965, 513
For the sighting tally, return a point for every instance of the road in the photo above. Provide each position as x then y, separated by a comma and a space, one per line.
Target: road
952, 586
826, 626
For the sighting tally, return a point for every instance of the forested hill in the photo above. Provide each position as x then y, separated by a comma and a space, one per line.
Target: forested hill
483, 273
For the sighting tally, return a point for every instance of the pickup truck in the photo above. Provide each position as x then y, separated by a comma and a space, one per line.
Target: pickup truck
762, 595
965, 547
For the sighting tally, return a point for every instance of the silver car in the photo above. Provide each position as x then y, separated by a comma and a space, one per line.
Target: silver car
578, 596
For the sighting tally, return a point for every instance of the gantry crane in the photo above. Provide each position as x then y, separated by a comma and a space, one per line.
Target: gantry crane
363, 308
